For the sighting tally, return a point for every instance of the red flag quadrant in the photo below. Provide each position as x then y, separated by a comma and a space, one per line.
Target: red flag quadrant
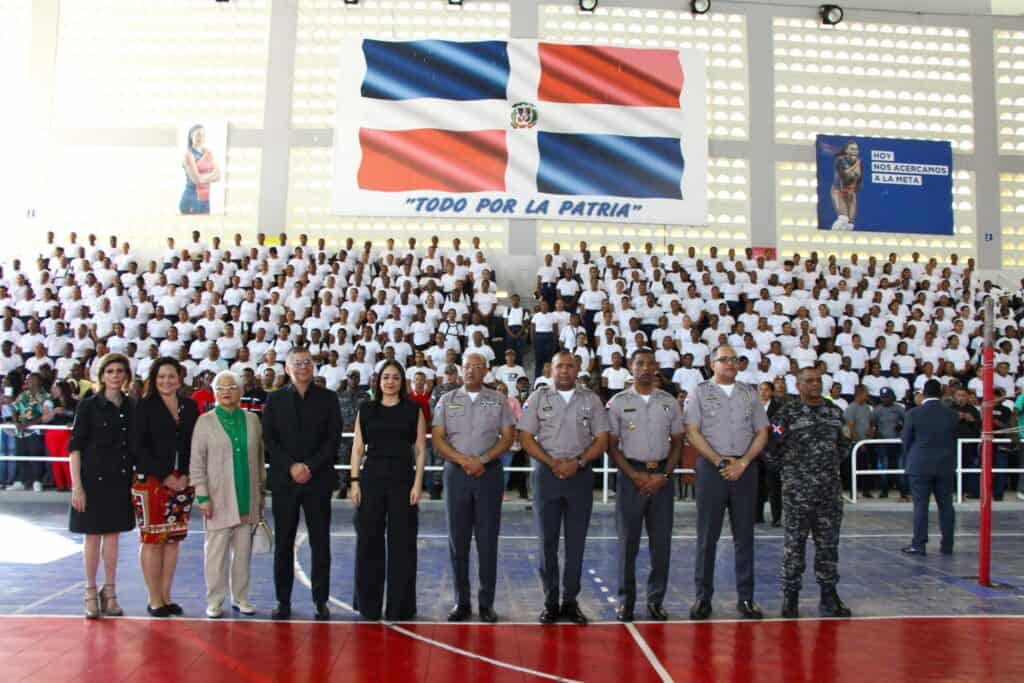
428, 159
590, 74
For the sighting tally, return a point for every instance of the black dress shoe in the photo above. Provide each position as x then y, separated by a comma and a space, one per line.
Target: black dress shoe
776, 523
549, 615
158, 612
657, 612
624, 613
571, 611
911, 550
435, 494
700, 610
749, 609
460, 613
488, 615
321, 613
174, 609
832, 606
791, 605
282, 611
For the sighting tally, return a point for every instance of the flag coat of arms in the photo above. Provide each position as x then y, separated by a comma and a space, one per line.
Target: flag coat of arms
520, 129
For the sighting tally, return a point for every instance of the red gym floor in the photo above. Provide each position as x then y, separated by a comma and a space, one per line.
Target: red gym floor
53, 649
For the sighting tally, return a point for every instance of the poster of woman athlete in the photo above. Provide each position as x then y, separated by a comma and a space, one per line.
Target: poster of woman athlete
202, 155
884, 185
846, 183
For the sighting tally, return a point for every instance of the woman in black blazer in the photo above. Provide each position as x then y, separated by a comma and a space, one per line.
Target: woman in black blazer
102, 450
161, 491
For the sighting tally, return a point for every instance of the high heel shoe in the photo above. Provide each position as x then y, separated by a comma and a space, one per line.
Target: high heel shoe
92, 604
108, 602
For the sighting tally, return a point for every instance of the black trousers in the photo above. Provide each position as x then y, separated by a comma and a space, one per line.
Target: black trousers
922, 488
714, 496
559, 503
473, 508
633, 511
544, 347
769, 490
315, 504
386, 528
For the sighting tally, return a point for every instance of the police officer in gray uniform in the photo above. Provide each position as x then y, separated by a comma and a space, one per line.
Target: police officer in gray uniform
646, 442
564, 428
473, 427
727, 425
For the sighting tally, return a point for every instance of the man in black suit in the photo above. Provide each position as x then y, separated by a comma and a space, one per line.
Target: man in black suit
302, 434
929, 447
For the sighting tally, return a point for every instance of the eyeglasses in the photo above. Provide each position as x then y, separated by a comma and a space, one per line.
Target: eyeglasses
229, 387
727, 359
302, 364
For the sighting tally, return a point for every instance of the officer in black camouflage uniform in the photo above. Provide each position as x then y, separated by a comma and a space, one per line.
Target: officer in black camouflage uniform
349, 400
808, 448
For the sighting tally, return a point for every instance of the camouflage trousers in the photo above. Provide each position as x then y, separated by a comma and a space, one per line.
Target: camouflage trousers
822, 521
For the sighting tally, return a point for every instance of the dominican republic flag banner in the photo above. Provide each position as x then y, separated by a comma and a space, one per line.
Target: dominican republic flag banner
520, 129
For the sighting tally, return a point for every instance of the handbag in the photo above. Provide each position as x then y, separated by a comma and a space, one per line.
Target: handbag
262, 538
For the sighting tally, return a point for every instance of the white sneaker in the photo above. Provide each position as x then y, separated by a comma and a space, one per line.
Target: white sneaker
243, 607
16, 486
37, 486
214, 612
1020, 495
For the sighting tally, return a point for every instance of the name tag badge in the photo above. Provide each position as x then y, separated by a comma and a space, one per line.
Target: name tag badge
547, 409
629, 410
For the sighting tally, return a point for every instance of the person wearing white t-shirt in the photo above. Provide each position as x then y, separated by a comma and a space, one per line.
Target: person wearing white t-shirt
614, 377
332, 373
509, 373
543, 328
667, 358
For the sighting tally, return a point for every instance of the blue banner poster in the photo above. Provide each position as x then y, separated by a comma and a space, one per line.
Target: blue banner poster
884, 185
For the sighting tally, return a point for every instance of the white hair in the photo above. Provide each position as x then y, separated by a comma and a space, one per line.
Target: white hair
226, 374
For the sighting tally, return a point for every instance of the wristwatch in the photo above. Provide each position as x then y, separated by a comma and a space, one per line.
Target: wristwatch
579, 462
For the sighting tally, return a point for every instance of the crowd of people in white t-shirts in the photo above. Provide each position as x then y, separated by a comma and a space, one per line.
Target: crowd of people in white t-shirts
884, 324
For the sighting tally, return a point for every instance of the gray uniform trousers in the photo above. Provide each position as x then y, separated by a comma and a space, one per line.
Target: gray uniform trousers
714, 495
632, 511
554, 501
473, 508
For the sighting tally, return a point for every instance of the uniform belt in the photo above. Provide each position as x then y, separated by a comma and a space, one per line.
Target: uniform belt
656, 466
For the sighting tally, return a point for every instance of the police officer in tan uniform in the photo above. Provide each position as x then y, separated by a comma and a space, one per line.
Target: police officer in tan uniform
564, 428
727, 425
646, 442
473, 427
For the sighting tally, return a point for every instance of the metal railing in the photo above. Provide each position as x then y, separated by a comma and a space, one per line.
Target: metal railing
606, 470
960, 469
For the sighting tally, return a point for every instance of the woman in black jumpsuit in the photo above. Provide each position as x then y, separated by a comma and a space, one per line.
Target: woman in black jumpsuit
386, 490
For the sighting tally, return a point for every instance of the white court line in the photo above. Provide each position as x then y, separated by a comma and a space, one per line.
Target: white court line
45, 600
300, 574
649, 653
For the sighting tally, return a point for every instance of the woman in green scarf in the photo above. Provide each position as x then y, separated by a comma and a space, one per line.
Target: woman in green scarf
228, 474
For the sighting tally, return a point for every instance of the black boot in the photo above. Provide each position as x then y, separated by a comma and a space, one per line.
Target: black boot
831, 605
791, 605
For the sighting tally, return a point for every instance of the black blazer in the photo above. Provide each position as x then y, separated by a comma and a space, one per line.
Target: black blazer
302, 430
161, 438
929, 440
106, 436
